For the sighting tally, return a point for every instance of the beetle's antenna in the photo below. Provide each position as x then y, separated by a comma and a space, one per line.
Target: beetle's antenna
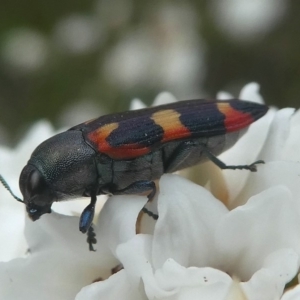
5, 184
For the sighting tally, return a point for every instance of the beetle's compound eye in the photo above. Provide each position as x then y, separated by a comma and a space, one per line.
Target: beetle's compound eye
35, 183
31, 182
37, 197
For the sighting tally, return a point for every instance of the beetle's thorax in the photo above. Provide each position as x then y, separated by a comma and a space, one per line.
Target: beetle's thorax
66, 163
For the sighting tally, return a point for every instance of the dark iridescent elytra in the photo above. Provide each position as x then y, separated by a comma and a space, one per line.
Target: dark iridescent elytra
140, 131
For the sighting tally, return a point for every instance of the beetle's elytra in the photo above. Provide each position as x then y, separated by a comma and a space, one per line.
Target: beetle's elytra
124, 153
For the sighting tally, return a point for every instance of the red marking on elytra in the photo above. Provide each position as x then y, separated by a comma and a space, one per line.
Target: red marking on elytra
169, 120
126, 151
234, 119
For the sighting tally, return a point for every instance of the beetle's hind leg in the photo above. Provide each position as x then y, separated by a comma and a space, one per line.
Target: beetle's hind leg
222, 165
182, 152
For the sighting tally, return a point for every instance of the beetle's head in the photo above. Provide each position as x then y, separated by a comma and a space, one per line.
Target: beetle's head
38, 197
62, 167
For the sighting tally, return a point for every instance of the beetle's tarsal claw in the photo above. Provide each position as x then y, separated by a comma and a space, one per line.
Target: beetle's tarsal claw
91, 238
253, 167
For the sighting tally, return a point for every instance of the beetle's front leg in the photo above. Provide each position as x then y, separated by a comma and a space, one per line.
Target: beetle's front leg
85, 222
139, 187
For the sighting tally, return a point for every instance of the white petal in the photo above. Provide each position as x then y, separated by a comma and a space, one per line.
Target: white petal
12, 213
58, 262
272, 174
262, 286
246, 242
250, 92
277, 136
115, 287
188, 215
293, 294
278, 269
76, 206
200, 281
224, 96
216, 291
146, 223
236, 291
172, 280
12, 216
292, 144
253, 141
135, 255
117, 220
249, 233
284, 264
137, 104
164, 98
55, 240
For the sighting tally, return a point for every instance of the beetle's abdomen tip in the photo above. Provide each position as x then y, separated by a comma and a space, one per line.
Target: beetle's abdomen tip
255, 110
240, 114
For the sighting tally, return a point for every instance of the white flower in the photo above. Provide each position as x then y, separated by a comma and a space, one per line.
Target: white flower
197, 245
59, 263
11, 212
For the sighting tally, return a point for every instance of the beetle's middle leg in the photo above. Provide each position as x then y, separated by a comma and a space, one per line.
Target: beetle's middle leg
180, 154
139, 187
87, 216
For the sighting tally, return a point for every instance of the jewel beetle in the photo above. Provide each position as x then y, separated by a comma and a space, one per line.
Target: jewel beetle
124, 153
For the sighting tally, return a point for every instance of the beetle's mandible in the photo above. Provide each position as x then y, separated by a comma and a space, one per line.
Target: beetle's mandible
124, 153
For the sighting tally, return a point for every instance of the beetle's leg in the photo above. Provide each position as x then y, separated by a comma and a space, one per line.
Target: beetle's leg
91, 238
220, 164
85, 222
87, 215
139, 187
150, 213
179, 155
184, 149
